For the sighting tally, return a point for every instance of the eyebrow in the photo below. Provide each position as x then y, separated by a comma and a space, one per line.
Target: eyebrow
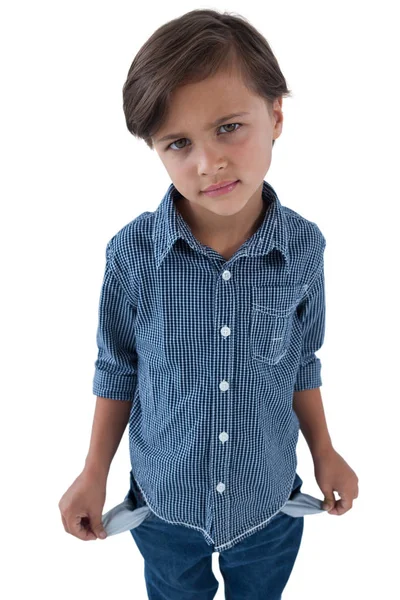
173, 136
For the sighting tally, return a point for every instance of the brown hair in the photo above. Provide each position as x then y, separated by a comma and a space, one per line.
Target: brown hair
189, 49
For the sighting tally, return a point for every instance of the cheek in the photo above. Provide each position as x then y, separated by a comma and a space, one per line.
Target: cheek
253, 159
174, 168
248, 152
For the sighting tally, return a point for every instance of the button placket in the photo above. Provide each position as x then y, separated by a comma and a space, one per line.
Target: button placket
224, 385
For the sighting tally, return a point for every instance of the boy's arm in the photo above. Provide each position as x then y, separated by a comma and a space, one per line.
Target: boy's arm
307, 400
311, 312
308, 407
109, 422
115, 377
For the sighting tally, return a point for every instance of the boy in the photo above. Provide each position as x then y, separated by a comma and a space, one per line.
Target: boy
211, 311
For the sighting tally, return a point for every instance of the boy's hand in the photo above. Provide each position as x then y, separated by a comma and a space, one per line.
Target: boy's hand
334, 474
81, 507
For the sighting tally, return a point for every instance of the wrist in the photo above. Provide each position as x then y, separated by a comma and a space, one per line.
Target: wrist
93, 469
322, 449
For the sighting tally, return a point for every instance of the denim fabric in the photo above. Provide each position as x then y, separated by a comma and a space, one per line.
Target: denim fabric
209, 352
178, 560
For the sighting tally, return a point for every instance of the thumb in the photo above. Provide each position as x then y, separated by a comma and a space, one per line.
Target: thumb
329, 501
99, 530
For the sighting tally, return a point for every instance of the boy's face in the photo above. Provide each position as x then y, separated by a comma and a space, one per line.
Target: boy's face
202, 155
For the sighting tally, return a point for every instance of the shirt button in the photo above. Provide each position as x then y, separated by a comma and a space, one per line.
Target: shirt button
225, 331
223, 386
226, 275
221, 487
223, 436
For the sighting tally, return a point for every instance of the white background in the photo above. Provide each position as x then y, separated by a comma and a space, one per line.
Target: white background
72, 176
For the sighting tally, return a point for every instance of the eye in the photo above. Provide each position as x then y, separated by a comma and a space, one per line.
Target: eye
182, 148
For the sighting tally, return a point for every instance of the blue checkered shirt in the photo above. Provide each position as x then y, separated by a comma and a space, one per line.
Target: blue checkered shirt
209, 352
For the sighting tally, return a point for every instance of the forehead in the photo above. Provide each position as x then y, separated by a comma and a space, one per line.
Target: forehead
212, 93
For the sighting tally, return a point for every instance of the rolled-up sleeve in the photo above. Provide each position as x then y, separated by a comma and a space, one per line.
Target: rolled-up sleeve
311, 312
115, 374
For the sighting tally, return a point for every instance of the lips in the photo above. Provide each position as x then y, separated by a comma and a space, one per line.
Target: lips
219, 185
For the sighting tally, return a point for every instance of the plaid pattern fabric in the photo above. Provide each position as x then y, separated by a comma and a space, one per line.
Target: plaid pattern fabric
209, 353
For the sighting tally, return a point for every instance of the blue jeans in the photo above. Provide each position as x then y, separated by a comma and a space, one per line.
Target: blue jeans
178, 560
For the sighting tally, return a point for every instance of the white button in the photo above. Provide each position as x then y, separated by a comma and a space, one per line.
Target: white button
221, 487
223, 436
226, 275
223, 386
225, 331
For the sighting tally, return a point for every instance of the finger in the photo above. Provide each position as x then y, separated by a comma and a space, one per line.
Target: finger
342, 506
89, 535
98, 529
345, 504
329, 501
81, 529
85, 534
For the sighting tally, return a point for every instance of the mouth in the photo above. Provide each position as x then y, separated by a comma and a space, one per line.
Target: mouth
226, 189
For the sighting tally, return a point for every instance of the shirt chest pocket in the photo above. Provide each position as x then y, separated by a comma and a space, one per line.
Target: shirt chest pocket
272, 312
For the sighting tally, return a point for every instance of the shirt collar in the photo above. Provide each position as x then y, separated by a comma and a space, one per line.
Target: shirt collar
169, 226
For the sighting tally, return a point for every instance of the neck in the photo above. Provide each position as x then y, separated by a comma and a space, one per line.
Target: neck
226, 230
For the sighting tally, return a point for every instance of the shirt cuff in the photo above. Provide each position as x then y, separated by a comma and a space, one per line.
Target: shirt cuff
115, 387
309, 376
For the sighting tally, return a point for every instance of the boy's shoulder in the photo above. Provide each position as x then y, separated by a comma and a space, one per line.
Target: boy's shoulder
126, 252
300, 228
125, 242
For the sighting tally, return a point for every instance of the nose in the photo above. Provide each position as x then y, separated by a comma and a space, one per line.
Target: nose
210, 161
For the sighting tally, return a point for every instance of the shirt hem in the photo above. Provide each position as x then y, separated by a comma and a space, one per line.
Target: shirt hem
208, 539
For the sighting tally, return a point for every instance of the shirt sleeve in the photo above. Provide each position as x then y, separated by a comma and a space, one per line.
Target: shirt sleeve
311, 312
115, 374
